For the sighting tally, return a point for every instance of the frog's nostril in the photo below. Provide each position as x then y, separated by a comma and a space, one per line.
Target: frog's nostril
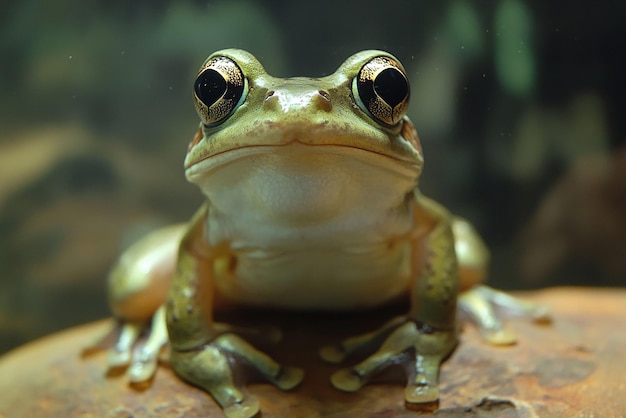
272, 101
322, 100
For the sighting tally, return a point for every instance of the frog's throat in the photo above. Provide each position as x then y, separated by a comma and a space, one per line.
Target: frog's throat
305, 185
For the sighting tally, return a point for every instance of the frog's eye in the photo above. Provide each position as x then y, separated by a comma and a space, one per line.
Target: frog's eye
382, 89
218, 89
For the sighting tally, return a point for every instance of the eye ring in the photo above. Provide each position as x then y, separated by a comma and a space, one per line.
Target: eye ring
218, 89
383, 90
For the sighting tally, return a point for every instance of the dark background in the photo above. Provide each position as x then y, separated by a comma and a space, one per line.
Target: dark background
519, 105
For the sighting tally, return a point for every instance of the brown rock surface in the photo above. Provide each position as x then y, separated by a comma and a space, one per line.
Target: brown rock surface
575, 367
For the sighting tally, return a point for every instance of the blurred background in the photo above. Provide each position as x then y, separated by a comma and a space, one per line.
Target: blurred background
519, 105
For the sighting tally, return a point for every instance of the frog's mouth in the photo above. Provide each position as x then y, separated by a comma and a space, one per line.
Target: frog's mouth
306, 155
318, 135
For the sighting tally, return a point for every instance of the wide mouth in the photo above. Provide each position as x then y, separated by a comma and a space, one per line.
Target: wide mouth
388, 161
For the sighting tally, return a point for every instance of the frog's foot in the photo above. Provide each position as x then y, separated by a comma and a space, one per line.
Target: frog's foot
141, 361
214, 368
425, 347
484, 306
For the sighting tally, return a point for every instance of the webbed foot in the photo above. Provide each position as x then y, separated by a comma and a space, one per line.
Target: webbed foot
214, 367
485, 306
402, 338
141, 361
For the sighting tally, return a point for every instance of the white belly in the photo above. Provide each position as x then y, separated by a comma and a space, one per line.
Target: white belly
321, 279
312, 227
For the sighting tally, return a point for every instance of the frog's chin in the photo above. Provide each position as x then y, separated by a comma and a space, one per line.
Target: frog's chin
299, 151
304, 183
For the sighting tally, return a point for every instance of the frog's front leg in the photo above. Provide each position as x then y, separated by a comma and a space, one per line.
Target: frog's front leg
201, 352
428, 332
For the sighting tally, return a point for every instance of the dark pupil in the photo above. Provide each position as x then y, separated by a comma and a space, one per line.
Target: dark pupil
391, 86
210, 86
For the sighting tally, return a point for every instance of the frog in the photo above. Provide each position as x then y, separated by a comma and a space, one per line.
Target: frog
312, 203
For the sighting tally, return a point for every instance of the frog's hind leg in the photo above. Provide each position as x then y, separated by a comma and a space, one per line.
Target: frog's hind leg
481, 304
479, 310
137, 289
484, 306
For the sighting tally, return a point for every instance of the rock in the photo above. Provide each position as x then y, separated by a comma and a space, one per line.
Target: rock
573, 367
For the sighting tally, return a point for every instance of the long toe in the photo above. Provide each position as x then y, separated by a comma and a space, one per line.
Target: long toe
421, 393
117, 358
289, 378
347, 380
142, 369
247, 408
332, 354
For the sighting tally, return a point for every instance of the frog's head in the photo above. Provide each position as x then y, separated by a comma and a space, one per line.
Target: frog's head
352, 121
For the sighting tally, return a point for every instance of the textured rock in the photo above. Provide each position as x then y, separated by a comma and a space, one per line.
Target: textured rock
572, 368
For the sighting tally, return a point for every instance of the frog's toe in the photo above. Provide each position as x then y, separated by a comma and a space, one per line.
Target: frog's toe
143, 367
347, 380
209, 368
333, 354
141, 359
482, 313
215, 366
337, 353
420, 353
247, 408
423, 377
118, 358
283, 377
145, 362
541, 314
121, 354
421, 393
288, 378
498, 336
485, 306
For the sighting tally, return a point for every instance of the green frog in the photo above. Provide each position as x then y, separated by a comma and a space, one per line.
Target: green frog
312, 204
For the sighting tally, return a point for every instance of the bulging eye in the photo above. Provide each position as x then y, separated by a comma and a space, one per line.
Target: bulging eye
383, 89
218, 89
